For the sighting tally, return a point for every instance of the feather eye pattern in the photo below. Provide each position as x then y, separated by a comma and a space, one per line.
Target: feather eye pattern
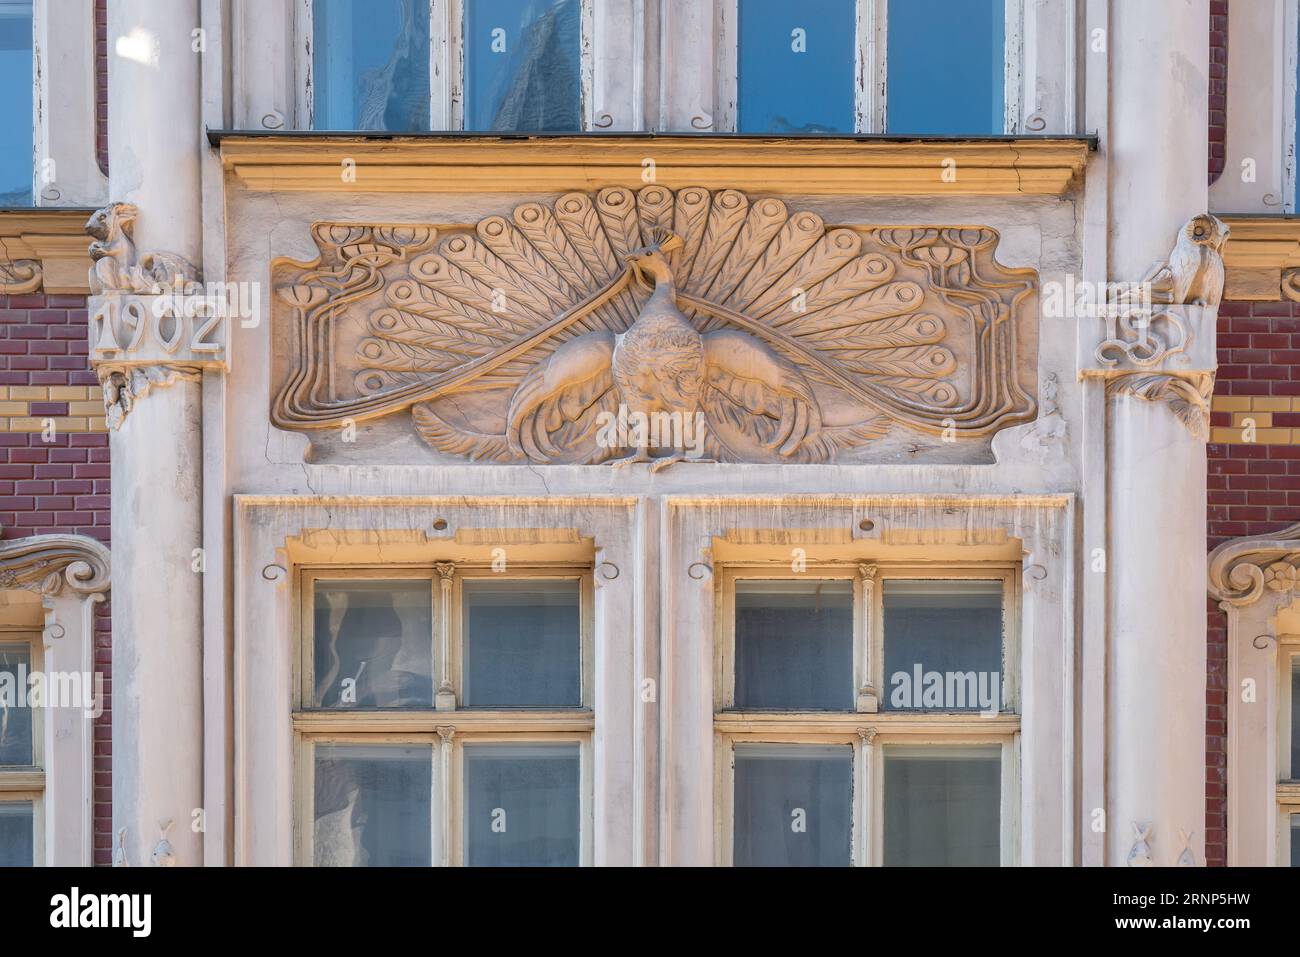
883, 326
819, 286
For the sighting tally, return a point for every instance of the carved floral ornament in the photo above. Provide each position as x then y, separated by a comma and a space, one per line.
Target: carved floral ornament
1243, 570
776, 337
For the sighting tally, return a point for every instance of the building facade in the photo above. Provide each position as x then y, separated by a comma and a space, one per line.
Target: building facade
650, 432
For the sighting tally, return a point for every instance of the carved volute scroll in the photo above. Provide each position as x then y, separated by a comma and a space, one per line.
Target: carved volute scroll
49, 564
774, 336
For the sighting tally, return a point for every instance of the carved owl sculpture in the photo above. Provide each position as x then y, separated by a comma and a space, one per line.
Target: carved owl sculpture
754, 332
1194, 273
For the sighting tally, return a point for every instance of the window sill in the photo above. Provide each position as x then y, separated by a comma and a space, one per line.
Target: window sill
856, 165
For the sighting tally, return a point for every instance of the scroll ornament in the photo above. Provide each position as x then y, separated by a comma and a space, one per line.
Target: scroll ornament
49, 564
1243, 570
556, 335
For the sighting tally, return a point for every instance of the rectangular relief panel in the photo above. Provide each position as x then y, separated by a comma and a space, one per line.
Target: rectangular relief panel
654, 325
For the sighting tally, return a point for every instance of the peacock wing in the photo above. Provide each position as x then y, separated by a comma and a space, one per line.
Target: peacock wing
553, 415
756, 402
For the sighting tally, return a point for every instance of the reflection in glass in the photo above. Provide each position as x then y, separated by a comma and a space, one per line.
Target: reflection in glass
372, 806
16, 76
942, 806
370, 64
943, 645
792, 805
15, 721
522, 60
795, 66
946, 67
794, 644
373, 644
16, 834
521, 805
522, 643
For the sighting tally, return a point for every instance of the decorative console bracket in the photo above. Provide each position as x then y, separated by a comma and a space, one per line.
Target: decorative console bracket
151, 324
1156, 338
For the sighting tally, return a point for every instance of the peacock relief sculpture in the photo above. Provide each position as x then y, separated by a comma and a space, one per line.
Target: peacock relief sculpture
655, 326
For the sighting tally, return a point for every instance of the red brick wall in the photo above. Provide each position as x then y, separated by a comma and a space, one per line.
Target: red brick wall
60, 485
1254, 487
1218, 85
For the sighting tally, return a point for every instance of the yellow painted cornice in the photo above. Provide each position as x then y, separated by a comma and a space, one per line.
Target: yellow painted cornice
1262, 257
832, 166
44, 249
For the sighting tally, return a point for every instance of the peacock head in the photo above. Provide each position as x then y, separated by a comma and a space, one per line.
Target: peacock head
650, 262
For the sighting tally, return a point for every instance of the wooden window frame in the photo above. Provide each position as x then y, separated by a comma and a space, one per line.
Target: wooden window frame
446, 731
446, 64
867, 730
21, 784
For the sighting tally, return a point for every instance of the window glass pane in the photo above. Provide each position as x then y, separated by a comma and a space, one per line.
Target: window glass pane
941, 806
373, 806
16, 76
521, 805
522, 61
15, 721
943, 645
1295, 840
794, 644
373, 644
795, 66
1295, 717
16, 834
522, 643
792, 805
370, 64
946, 66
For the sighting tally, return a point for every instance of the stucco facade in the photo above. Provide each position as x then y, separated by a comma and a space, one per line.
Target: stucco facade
416, 360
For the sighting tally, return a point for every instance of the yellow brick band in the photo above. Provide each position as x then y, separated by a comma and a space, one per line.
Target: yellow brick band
85, 408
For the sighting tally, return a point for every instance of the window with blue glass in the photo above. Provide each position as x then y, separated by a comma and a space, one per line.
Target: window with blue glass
522, 65
370, 65
520, 62
795, 65
923, 67
16, 117
946, 67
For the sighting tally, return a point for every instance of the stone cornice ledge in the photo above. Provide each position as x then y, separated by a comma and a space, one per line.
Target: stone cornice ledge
1262, 258
805, 166
44, 249
1242, 569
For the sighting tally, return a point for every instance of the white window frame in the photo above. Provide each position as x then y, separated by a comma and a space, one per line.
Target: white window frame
25, 784
447, 62
1038, 87
864, 730
443, 728
65, 168
1288, 778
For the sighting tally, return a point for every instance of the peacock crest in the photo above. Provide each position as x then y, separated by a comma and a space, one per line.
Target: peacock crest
775, 337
